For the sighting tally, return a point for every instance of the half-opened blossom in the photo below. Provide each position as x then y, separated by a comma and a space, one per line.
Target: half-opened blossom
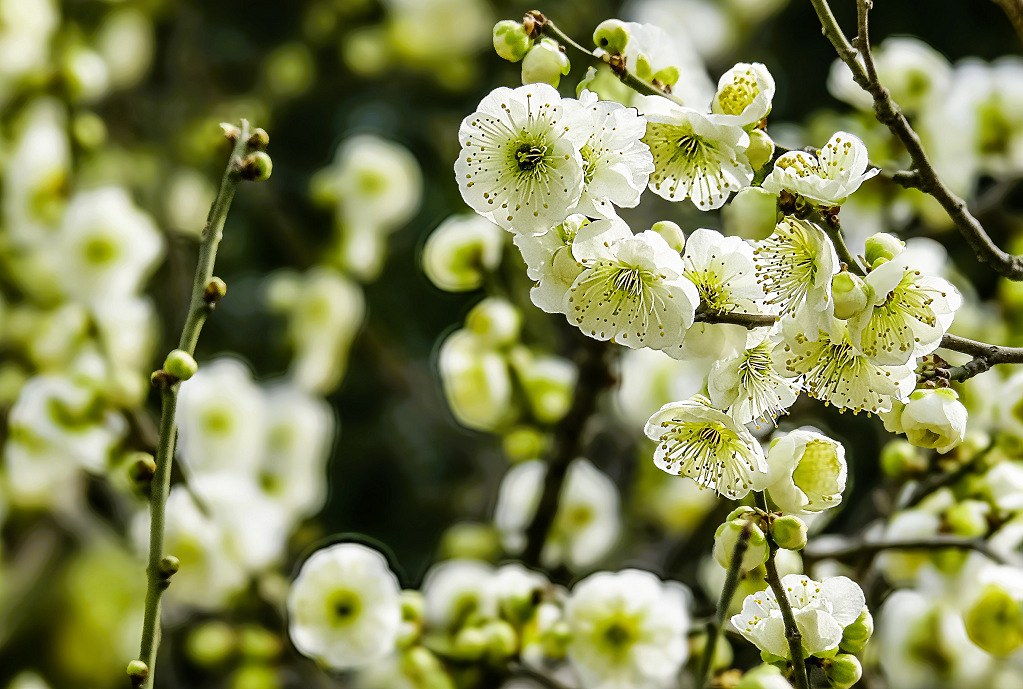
631, 290
696, 440
519, 165
550, 263
827, 178
806, 471
822, 611
616, 162
909, 313
697, 156
744, 93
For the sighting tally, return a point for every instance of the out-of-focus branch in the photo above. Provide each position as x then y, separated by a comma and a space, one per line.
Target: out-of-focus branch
717, 623
542, 25
1014, 11
595, 376
923, 175
867, 549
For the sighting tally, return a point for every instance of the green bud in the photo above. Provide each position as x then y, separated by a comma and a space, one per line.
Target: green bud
763, 677
555, 640
857, 634
727, 535
255, 677
211, 643
511, 41
752, 214
215, 290
180, 364
882, 245
424, 669
495, 320
851, 294
138, 671
545, 63
843, 671
900, 459
471, 540
471, 643
760, 150
789, 532
258, 643
995, 621
169, 566
256, 167
411, 606
502, 640
523, 443
668, 76
643, 69
142, 468
968, 518
739, 512
612, 35
672, 234
259, 139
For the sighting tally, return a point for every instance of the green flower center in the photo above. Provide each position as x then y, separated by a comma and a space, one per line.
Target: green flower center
818, 470
343, 607
616, 635
528, 156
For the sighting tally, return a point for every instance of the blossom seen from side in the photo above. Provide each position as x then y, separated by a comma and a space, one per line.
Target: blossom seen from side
550, 263
744, 93
835, 372
822, 610
746, 384
458, 254
631, 290
909, 314
457, 591
806, 471
827, 178
616, 162
344, 607
931, 418
696, 440
628, 629
520, 165
696, 157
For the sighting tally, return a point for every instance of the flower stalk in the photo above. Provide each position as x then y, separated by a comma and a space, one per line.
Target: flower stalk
724, 602
206, 291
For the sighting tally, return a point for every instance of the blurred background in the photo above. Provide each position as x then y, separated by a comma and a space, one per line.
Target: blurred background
320, 409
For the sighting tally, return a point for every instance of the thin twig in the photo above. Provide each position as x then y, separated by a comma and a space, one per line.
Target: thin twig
717, 623
159, 571
594, 377
861, 549
1014, 11
923, 176
984, 356
746, 320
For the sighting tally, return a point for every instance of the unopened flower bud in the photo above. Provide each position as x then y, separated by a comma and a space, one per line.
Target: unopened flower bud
412, 606
523, 443
789, 532
555, 640
211, 643
169, 566
760, 150
763, 677
231, 132
968, 518
423, 666
934, 418
502, 640
995, 621
843, 671
672, 234
752, 214
882, 246
180, 364
857, 634
727, 536
215, 290
470, 643
667, 76
142, 468
256, 167
511, 41
259, 139
850, 293
900, 459
139, 672
495, 320
258, 643
545, 63
470, 540
612, 35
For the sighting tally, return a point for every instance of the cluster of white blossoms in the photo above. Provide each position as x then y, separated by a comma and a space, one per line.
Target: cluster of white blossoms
348, 612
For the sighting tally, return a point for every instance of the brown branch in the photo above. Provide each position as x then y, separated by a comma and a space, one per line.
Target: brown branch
984, 357
923, 176
746, 320
1014, 11
855, 550
594, 377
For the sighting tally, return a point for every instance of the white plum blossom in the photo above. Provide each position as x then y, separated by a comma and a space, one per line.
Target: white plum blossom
586, 525
520, 165
696, 156
722, 270
806, 472
744, 93
461, 251
795, 265
550, 263
836, 373
747, 386
822, 611
628, 629
631, 290
344, 608
932, 418
455, 591
476, 380
616, 163
696, 440
909, 314
827, 178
